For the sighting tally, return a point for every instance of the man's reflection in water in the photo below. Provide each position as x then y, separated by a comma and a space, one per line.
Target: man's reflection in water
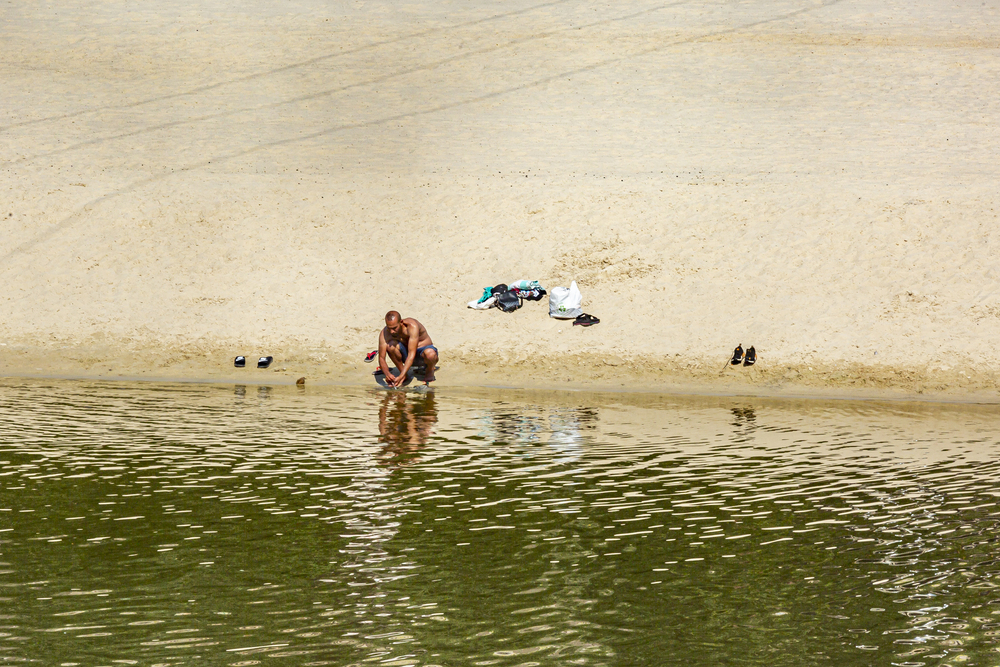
405, 422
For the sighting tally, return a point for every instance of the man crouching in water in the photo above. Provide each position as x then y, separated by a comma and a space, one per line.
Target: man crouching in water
407, 344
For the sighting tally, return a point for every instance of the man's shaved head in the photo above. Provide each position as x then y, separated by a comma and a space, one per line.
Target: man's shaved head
392, 317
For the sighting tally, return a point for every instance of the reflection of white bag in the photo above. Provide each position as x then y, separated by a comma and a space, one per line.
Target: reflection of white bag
565, 302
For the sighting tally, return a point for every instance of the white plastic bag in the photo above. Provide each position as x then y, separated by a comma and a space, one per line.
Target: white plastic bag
565, 302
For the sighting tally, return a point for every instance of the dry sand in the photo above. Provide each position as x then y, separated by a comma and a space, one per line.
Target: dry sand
182, 182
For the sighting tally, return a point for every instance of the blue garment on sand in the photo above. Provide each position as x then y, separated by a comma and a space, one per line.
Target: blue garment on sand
487, 293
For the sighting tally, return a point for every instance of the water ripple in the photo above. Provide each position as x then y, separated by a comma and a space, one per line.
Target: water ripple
166, 524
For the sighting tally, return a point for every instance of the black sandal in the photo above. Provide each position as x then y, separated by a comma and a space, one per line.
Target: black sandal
751, 357
586, 320
737, 355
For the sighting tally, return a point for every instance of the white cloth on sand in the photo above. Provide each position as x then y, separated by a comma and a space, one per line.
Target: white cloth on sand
483, 305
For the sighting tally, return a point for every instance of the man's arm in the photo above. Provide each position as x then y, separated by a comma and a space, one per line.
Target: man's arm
411, 349
382, 348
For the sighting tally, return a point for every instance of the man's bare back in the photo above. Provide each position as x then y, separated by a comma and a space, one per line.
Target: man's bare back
407, 344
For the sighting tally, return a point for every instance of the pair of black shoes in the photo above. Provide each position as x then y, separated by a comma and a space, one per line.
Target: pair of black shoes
748, 360
263, 362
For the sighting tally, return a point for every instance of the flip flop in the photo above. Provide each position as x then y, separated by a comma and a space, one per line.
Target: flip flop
240, 362
586, 320
751, 357
370, 357
737, 355
264, 362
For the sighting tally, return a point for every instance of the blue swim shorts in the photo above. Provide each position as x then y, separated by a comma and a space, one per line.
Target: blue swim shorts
403, 350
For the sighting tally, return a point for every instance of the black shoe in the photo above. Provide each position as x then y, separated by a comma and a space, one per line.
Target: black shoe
751, 358
737, 355
264, 362
240, 362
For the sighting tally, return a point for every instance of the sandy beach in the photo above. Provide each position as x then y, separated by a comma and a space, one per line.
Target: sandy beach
182, 182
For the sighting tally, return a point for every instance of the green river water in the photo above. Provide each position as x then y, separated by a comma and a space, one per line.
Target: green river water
145, 524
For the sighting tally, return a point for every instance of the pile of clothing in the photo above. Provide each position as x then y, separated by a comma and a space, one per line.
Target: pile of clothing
508, 297
565, 303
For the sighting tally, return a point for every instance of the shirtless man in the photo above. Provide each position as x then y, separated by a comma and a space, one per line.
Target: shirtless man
407, 343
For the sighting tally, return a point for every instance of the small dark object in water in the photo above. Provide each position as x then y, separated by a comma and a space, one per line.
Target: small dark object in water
301, 382
264, 362
751, 357
737, 355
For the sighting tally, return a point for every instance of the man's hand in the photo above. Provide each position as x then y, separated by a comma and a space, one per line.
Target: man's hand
398, 380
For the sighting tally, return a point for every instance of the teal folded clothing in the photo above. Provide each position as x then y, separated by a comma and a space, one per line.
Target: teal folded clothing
487, 293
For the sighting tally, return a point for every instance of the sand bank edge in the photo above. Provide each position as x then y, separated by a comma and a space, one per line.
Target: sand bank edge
550, 372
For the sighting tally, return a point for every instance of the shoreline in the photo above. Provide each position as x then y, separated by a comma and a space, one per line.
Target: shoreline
568, 373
